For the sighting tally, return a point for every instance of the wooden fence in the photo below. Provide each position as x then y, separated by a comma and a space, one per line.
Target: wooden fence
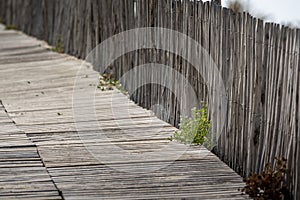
259, 63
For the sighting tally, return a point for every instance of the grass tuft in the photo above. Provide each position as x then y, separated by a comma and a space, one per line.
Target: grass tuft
58, 46
107, 83
194, 130
10, 27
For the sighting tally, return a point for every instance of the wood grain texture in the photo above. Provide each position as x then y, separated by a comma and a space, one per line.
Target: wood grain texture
37, 89
22, 171
259, 63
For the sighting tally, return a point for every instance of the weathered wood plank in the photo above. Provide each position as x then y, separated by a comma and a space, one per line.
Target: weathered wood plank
48, 121
259, 63
22, 172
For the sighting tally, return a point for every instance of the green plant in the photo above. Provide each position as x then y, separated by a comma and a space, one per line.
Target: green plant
10, 27
108, 83
194, 129
269, 184
1, 21
58, 46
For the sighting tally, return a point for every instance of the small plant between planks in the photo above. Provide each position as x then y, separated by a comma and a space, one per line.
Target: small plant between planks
269, 184
58, 45
194, 130
106, 83
10, 27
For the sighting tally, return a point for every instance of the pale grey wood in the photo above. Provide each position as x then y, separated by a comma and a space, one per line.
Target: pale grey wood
33, 104
259, 63
22, 171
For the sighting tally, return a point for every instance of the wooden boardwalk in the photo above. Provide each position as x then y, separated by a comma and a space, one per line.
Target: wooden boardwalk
22, 173
36, 88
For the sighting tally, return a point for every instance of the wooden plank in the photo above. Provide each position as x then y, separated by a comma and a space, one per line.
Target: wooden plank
48, 121
22, 171
259, 63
